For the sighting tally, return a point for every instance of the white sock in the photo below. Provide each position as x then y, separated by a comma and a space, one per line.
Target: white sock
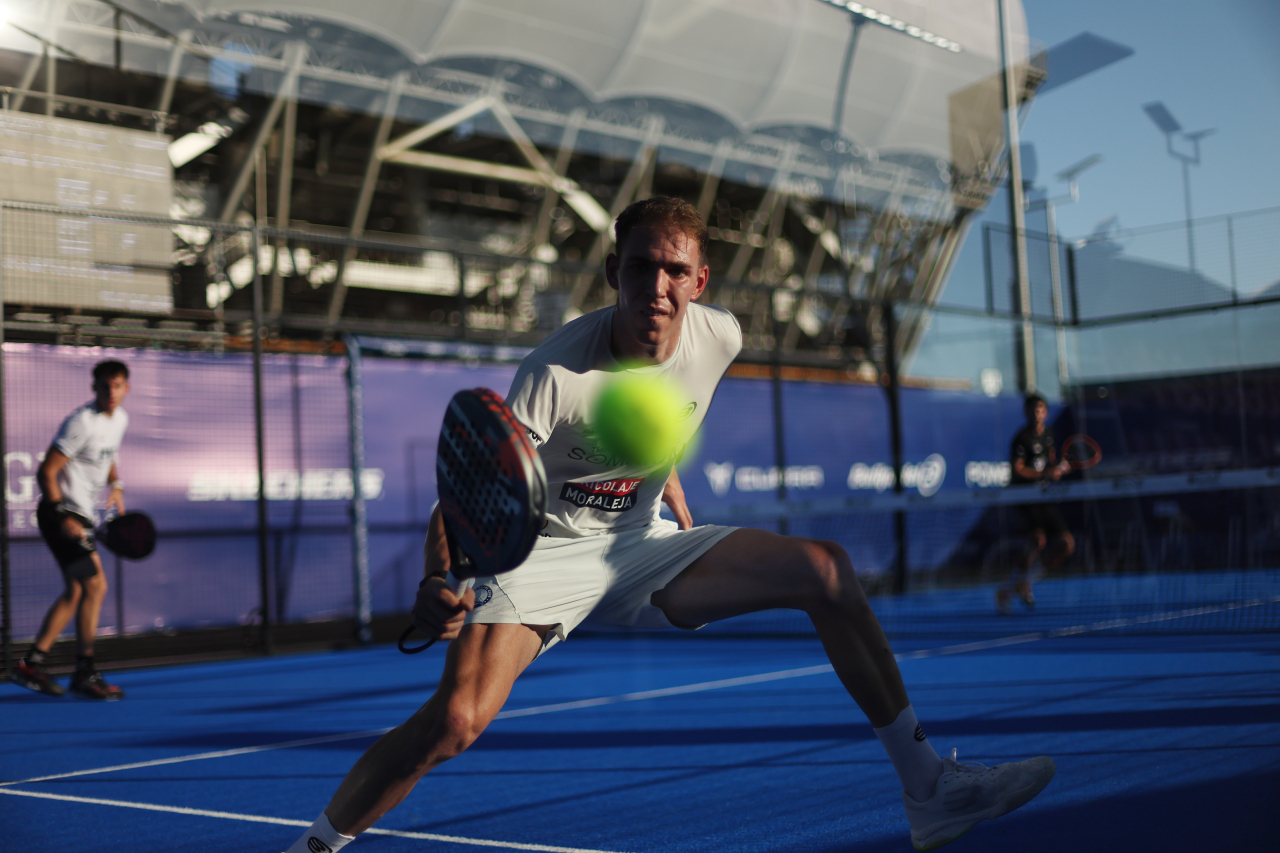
321, 838
912, 755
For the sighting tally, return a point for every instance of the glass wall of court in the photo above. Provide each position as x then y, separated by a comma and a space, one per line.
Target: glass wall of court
1181, 402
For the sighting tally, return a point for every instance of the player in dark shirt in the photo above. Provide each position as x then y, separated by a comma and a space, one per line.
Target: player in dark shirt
1033, 458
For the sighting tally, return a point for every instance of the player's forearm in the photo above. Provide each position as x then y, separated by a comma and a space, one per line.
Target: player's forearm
435, 551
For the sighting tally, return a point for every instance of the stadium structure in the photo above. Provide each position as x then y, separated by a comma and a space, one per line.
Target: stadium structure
451, 168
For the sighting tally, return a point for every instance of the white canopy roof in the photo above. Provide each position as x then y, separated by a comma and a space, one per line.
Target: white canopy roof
758, 63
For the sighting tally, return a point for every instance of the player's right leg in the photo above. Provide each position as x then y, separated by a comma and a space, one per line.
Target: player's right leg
480, 668
30, 671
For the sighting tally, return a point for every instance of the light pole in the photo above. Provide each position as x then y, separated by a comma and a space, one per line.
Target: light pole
1169, 126
1069, 175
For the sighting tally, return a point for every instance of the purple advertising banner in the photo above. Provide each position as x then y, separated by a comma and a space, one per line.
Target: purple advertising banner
189, 460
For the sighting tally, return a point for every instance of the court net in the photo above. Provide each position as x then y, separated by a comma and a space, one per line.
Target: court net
1187, 553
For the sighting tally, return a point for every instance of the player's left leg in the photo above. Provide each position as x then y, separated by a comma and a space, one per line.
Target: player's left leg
752, 570
87, 682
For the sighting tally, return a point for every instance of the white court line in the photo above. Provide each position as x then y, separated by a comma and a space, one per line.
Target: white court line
963, 648
585, 703
280, 821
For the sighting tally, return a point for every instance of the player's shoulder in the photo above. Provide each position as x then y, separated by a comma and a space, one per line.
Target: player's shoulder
718, 322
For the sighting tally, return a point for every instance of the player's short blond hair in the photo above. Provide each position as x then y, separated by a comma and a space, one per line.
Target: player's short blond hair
663, 212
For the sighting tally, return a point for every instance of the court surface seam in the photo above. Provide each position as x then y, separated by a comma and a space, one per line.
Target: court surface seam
962, 648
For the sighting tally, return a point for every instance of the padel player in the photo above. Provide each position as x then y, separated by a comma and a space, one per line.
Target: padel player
606, 556
79, 463
1032, 459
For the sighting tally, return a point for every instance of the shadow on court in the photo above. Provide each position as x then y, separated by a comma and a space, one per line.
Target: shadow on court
1236, 814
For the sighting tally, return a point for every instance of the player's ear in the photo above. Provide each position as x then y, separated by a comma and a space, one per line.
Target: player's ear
704, 275
611, 270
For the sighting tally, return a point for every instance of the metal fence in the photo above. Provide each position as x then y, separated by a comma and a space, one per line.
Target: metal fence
292, 479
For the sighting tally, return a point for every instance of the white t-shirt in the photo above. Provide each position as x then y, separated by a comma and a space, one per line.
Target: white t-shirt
91, 441
589, 493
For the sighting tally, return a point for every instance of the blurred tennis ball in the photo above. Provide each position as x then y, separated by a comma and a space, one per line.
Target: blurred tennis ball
638, 419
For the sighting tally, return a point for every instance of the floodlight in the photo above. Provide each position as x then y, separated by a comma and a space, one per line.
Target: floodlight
1162, 117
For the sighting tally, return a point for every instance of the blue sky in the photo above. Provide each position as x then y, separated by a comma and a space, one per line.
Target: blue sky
1212, 64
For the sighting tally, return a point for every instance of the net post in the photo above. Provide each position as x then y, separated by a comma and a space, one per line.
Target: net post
359, 515
264, 589
6, 609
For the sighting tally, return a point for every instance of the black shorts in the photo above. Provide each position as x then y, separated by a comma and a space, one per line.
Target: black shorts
1044, 518
74, 555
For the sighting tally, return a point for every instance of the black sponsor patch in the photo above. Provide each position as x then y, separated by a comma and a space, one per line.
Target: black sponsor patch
606, 495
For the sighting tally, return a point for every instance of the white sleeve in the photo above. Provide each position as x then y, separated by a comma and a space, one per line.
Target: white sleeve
72, 435
533, 401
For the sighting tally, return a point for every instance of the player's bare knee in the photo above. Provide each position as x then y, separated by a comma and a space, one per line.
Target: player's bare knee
1067, 543
95, 587
833, 580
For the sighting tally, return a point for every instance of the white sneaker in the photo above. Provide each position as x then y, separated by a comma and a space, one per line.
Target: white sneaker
966, 794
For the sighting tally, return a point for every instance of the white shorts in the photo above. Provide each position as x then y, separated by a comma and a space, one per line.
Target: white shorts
602, 580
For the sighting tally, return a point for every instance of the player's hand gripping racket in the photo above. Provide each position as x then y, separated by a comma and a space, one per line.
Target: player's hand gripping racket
493, 491
131, 535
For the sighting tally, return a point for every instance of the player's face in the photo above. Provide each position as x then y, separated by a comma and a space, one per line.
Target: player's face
1040, 415
110, 393
657, 274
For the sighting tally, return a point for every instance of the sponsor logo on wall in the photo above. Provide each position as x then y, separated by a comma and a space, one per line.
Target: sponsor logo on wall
925, 477
314, 484
987, 475
748, 478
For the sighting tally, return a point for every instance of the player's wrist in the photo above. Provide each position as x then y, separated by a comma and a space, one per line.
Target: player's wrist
116, 485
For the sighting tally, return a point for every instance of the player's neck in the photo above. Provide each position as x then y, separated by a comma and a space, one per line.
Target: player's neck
626, 349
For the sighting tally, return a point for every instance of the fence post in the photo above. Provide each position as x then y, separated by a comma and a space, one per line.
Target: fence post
359, 516
6, 610
264, 579
890, 321
779, 422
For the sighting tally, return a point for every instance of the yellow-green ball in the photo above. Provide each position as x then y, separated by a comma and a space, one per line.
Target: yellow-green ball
636, 419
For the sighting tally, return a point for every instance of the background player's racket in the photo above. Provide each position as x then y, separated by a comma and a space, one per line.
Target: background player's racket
493, 491
1080, 451
131, 535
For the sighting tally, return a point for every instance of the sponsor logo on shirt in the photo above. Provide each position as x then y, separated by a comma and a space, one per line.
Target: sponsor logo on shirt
604, 495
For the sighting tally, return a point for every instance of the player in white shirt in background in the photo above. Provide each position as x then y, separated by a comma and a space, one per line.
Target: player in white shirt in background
79, 463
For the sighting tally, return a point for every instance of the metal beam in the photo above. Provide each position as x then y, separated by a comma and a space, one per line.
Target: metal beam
284, 193
171, 76
297, 53
360, 216
389, 150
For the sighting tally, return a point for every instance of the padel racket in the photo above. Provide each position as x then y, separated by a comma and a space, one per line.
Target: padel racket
131, 535
1080, 451
493, 491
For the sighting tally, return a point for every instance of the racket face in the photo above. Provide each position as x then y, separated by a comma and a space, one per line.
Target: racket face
492, 485
1080, 451
132, 535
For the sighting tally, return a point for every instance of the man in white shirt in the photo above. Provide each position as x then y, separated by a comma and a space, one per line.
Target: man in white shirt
79, 463
606, 556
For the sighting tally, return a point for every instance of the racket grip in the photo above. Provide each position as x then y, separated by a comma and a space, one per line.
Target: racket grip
458, 586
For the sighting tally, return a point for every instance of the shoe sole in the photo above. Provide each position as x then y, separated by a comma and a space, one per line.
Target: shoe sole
1015, 800
41, 689
93, 697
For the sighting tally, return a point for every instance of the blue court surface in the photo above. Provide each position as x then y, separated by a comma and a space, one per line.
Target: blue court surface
672, 743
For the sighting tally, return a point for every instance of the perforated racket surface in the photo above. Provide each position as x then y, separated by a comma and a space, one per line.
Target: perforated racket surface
492, 486
1080, 451
131, 535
